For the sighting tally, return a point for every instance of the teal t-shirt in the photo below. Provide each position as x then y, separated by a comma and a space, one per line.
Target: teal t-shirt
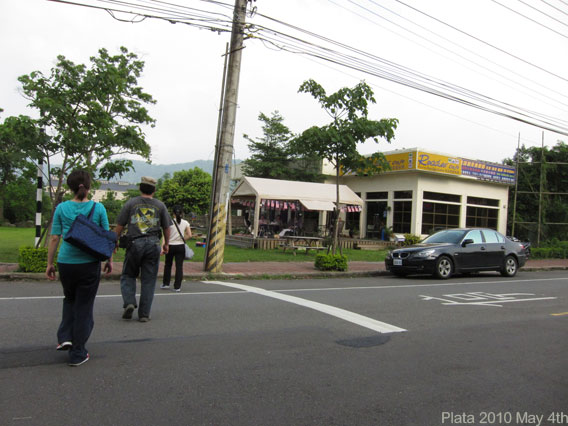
65, 214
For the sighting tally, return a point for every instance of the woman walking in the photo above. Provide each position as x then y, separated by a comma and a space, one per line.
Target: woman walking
79, 272
179, 231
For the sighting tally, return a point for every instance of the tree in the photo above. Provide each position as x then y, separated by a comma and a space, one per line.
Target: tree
18, 135
190, 189
20, 200
112, 205
337, 141
90, 116
271, 156
536, 166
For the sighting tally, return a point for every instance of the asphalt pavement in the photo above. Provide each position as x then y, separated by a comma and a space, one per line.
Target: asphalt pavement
389, 351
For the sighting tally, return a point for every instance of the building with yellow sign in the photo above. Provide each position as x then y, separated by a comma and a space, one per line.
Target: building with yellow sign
425, 191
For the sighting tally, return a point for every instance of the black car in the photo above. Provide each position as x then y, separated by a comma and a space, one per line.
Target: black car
526, 245
461, 250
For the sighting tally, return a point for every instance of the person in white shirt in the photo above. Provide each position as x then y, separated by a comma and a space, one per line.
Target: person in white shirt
176, 250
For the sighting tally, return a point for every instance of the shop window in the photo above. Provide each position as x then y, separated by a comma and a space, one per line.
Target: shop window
377, 195
483, 201
480, 217
439, 196
376, 218
402, 216
398, 195
438, 216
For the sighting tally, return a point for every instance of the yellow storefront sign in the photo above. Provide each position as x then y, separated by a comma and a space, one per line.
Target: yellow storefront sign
438, 163
402, 161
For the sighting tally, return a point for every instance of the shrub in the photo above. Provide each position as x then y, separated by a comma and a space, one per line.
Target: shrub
410, 239
549, 253
33, 259
331, 262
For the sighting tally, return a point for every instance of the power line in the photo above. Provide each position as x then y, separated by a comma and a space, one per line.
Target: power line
484, 42
362, 61
530, 19
506, 80
543, 13
410, 78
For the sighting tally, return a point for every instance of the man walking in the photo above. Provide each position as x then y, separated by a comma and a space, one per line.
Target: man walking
145, 218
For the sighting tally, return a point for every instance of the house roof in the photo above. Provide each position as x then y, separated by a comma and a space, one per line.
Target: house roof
314, 196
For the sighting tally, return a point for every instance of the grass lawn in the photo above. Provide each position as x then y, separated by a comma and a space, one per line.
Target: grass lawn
13, 238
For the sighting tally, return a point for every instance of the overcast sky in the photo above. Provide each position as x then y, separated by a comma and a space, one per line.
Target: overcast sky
500, 55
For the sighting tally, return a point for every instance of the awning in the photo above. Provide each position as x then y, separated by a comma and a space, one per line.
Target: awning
318, 205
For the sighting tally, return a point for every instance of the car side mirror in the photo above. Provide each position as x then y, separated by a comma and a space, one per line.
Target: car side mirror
466, 242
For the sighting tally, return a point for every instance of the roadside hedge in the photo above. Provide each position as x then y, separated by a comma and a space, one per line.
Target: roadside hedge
31, 259
549, 253
330, 262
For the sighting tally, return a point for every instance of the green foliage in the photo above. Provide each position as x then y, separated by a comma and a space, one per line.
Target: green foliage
112, 205
337, 141
272, 158
536, 164
31, 259
553, 249
549, 253
331, 262
190, 189
90, 115
410, 239
20, 201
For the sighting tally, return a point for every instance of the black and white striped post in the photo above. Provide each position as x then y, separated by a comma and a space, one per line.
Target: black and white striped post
39, 198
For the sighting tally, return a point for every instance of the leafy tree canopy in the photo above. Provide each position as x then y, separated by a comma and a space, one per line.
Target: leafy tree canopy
89, 117
271, 156
337, 141
190, 189
91, 114
349, 126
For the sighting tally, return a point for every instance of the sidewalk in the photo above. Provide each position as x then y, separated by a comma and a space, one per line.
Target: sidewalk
284, 270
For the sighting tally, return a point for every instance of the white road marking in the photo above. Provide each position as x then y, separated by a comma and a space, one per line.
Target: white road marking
352, 317
300, 290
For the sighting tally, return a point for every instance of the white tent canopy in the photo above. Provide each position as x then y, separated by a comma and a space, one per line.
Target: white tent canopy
273, 189
313, 196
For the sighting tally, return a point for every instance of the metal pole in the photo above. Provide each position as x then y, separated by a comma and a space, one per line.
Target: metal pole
39, 199
217, 222
516, 186
540, 192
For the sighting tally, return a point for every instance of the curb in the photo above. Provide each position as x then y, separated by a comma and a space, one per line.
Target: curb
223, 276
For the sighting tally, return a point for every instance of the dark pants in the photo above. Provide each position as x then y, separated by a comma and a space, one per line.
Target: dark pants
176, 252
142, 258
80, 284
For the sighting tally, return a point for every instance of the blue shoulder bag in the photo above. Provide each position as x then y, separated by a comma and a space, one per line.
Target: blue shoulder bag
90, 237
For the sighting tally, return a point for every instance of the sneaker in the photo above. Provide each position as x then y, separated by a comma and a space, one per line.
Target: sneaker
65, 346
177, 290
78, 363
165, 286
127, 314
143, 319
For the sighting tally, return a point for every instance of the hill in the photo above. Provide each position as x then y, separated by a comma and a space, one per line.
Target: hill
142, 168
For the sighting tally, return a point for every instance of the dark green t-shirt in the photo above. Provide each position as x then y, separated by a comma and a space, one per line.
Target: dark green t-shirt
144, 216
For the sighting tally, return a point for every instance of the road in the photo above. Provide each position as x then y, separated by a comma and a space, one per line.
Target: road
368, 351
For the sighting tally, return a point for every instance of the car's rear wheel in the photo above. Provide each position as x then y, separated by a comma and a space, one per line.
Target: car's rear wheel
510, 267
444, 268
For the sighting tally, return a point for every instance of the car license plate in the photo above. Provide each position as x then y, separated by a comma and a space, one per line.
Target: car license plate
397, 262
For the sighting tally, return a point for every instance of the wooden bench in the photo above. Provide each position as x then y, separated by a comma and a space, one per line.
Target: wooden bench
294, 248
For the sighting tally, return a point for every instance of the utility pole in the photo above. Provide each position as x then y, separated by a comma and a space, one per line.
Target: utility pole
215, 247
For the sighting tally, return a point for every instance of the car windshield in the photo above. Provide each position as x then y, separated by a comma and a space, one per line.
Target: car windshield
448, 236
